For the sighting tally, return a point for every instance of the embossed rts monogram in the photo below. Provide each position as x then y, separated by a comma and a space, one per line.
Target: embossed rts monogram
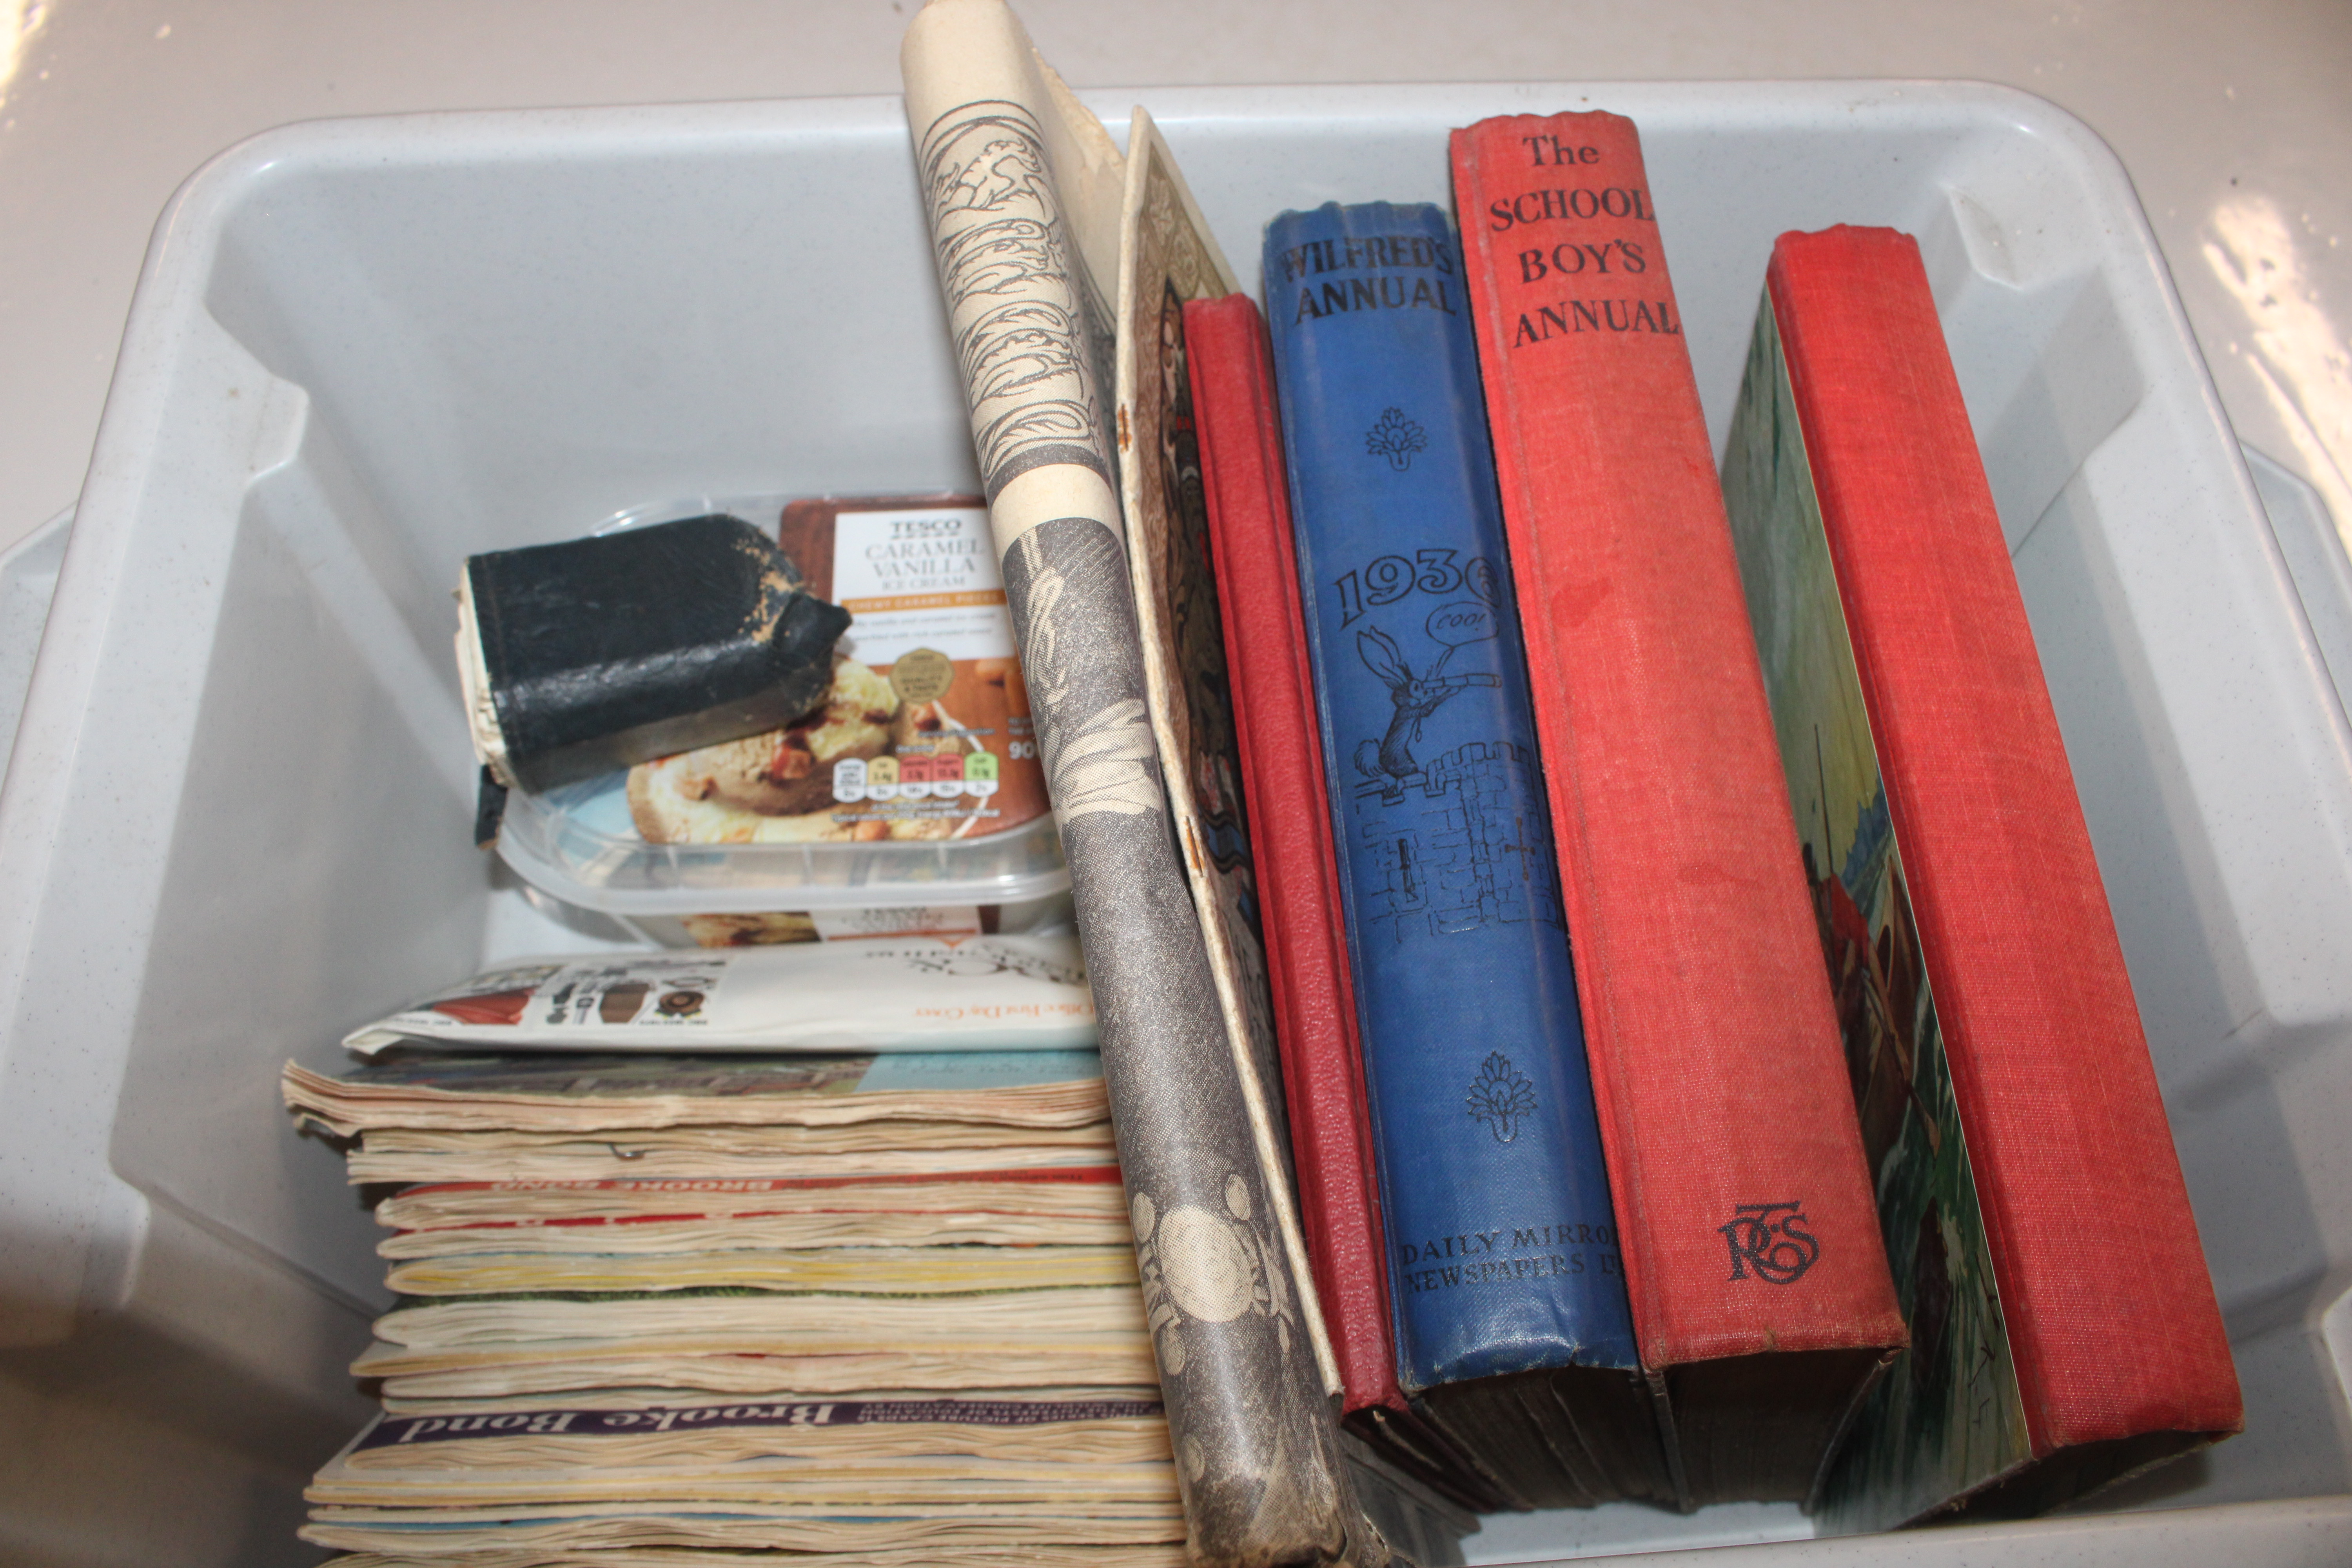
1772, 1240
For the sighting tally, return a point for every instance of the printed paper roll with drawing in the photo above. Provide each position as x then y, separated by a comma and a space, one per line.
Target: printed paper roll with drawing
1024, 192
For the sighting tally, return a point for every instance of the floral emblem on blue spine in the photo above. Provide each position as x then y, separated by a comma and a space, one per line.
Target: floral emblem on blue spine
1499, 1096
1395, 438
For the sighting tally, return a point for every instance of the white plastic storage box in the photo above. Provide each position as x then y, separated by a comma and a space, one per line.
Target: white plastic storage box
236, 820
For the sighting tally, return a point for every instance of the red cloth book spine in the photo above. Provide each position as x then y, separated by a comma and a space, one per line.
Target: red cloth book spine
2110, 1310
1298, 878
1725, 1110
1298, 869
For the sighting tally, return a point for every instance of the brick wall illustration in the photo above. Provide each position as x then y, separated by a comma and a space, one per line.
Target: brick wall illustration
1464, 844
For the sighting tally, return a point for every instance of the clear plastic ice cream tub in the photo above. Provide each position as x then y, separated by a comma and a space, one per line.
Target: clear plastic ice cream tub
913, 800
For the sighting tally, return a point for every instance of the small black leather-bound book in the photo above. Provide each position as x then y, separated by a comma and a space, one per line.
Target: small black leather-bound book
582, 658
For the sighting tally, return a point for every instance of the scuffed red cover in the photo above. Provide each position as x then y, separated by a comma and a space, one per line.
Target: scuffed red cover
2110, 1309
1299, 877
1716, 1060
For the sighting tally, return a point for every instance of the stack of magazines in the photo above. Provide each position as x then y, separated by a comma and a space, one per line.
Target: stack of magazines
661, 1309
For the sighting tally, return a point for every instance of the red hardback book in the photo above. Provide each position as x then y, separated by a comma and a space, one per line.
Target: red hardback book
1851, 431
1240, 431
1758, 1281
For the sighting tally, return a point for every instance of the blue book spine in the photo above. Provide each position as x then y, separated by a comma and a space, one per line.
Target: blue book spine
1503, 1253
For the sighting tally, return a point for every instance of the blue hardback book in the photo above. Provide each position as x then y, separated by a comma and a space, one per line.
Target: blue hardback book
1502, 1242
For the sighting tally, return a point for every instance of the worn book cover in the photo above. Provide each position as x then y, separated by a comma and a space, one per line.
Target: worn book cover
2005, 1105
1756, 1276
1502, 1258
1245, 485
1949, 1417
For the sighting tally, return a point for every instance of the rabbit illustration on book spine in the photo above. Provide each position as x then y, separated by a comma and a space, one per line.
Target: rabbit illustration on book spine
1416, 698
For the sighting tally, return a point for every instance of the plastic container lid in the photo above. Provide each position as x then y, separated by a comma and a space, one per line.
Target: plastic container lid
578, 845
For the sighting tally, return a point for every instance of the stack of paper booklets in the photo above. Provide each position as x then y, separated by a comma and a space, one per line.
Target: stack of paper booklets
880, 1308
